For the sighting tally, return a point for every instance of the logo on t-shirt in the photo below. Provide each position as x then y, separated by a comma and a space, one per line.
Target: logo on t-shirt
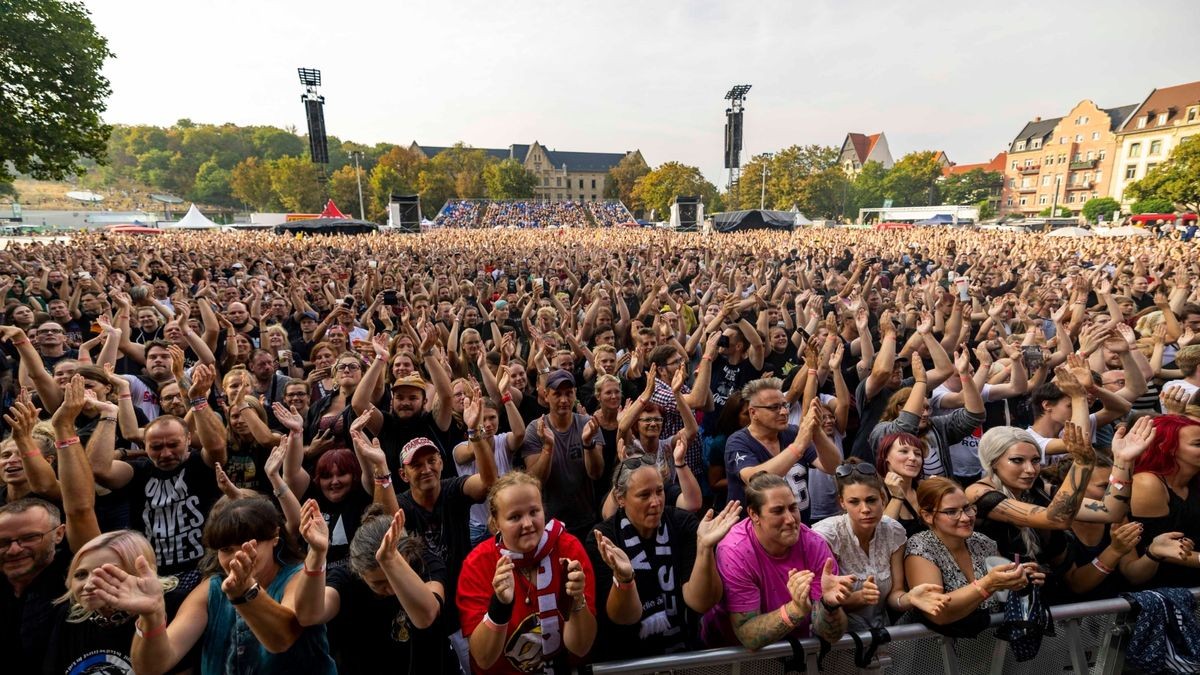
173, 520
101, 662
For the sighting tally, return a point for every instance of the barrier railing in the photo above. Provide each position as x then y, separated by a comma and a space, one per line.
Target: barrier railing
1089, 638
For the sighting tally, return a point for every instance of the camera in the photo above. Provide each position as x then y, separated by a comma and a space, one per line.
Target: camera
348, 302
723, 341
389, 297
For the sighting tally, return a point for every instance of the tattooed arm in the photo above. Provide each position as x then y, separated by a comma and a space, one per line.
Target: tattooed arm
829, 625
756, 630
1057, 516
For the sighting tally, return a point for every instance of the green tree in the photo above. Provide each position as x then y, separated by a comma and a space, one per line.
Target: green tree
463, 166
822, 194
913, 180
212, 185
294, 180
1152, 205
1176, 180
970, 187
343, 189
509, 179
868, 190
273, 143
436, 188
7, 189
51, 90
656, 190
1095, 208
250, 183
986, 209
397, 172
623, 176
1063, 212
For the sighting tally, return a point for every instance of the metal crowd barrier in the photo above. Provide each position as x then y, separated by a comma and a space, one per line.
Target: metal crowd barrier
1089, 638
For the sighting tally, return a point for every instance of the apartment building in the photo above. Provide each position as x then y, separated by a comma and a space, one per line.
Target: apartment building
1145, 140
1063, 160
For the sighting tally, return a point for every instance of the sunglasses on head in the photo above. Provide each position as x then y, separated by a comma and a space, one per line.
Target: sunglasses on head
845, 470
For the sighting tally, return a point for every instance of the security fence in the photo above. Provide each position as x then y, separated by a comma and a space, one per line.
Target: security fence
1089, 638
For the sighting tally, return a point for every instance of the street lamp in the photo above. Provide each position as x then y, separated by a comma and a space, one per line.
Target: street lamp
362, 214
762, 197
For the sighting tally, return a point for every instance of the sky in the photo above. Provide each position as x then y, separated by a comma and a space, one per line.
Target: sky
617, 75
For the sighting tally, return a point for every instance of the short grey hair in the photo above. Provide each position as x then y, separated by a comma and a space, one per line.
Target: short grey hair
761, 384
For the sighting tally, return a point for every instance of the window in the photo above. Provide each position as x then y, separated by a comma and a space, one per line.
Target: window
1048, 160
1130, 172
1142, 121
558, 196
1012, 183
593, 196
1062, 158
1095, 135
1045, 180
1077, 157
1099, 176
1103, 154
1192, 114
1135, 149
1009, 202
1043, 200
1020, 145
1037, 143
580, 197
1071, 198
1091, 155
593, 187
581, 187
1078, 138
545, 182
1150, 166
1022, 201
1155, 148
1014, 164
1162, 119
1062, 140
1024, 183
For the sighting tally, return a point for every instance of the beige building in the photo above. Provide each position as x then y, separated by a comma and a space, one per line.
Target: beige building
858, 149
1064, 160
562, 175
1159, 124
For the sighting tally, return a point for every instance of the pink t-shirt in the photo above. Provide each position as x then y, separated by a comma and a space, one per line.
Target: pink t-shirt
756, 581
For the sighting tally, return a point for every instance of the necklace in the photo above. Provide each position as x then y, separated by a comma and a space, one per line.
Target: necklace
529, 575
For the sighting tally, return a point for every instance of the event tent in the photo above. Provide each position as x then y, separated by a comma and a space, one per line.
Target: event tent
193, 220
1126, 231
757, 219
327, 226
332, 211
1071, 232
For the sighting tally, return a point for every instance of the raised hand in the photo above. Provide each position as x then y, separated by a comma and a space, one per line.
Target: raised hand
545, 432
589, 431
1079, 445
1067, 383
677, 381
894, 483
74, 400
203, 377
503, 584
798, 585
1125, 537
139, 593
712, 529
289, 417
472, 412
869, 591
835, 588
388, 551
224, 484
241, 571
380, 344
1130, 442
22, 417
1174, 401
369, 450
613, 556
313, 527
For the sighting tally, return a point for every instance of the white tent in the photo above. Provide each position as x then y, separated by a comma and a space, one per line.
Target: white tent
1126, 231
1071, 232
193, 220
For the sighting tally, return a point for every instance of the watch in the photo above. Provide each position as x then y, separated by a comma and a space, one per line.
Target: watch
250, 594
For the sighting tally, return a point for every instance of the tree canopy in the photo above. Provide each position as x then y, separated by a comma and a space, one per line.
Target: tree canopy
52, 92
1094, 209
1176, 180
656, 190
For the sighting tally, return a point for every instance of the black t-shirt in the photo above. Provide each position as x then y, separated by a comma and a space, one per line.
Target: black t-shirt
170, 508
650, 636
728, 378
446, 529
342, 518
86, 648
50, 361
366, 631
396, 432
25, 621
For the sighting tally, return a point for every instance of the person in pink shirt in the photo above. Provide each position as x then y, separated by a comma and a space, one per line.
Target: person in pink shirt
780, 577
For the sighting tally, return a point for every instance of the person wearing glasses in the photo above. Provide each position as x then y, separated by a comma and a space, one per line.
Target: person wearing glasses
953, 556
770, 444
654, 608
52, 344
327, 424
870, 546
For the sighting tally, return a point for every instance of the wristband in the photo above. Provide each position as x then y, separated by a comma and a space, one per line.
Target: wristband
108, 419
32, 453
18, 343
706, 357
281, 490
150, 634
198, 401
681, 466
982, 591
1155, 558
1104, 569
500, 612
491, 624
384, 482
1119, 485
506, 398
787, 620
66, 442
314, 573
200, 406
472, 434
828, 607
622, 584
812, 371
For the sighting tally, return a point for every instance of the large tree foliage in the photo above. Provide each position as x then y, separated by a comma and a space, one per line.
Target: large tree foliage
807, 177
970, 187
250, 183
656, 190
1177, 180
913, 180
51, 89
509, 179
623, 176
1094, 209
1152, 205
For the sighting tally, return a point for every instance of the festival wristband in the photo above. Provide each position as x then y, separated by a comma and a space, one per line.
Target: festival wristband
622, 584
150, 634
125, 396
491, 624
66, 442
982, 591
506, 399
31, 453
500, 611
828, 607
1104, 569
787, 620
108, 419
314, 573
18, 343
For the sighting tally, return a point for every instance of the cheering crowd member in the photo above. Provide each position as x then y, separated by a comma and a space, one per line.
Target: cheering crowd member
748, 363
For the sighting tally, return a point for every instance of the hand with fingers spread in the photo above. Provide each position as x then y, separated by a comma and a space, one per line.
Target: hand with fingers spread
314, 529
713, 528
140, 593
240, 576
22, 417
1079, 445
1130, 442
388, 550
290, 418
616, 558
224, 484
928, 598
370, 451
1174, 400
835, 588
1171, 546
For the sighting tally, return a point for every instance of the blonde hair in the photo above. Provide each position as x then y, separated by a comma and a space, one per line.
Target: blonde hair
513, 478
128, 545
992, 446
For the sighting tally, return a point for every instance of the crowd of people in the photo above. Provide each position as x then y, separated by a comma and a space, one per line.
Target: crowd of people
520, 451
460, 213
525, 214
609, 213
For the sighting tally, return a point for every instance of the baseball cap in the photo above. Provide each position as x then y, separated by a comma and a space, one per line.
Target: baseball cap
237, 266
558, 378
412, 380
411, 448
309, 315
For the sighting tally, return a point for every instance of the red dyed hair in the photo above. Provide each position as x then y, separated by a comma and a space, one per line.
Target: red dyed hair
888, 441
337, 461
1159, 459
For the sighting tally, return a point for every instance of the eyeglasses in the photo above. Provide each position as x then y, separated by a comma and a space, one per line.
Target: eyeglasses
673, 363
651, 420
954, 514
862, 468
636, 462
773, 407
25, 540
344, 367
50, 330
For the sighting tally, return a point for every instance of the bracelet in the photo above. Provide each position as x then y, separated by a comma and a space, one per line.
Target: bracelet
150, 634
982, 591
314, 573
706, 357
198, 401
384, 482
828, 607
681, 466
32, 453
281, 490
108, 419
472, 434
506, 398
622, 584
125, 396
499, 611
1104, 569
1155, 558
580, 605
66, 442
491, 624
1119, 485
200, 406
18, 343
784, 615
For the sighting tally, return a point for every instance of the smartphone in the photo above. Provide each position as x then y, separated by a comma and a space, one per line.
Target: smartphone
564, 598
348, 302
1032, 356
512, 285
389, 297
